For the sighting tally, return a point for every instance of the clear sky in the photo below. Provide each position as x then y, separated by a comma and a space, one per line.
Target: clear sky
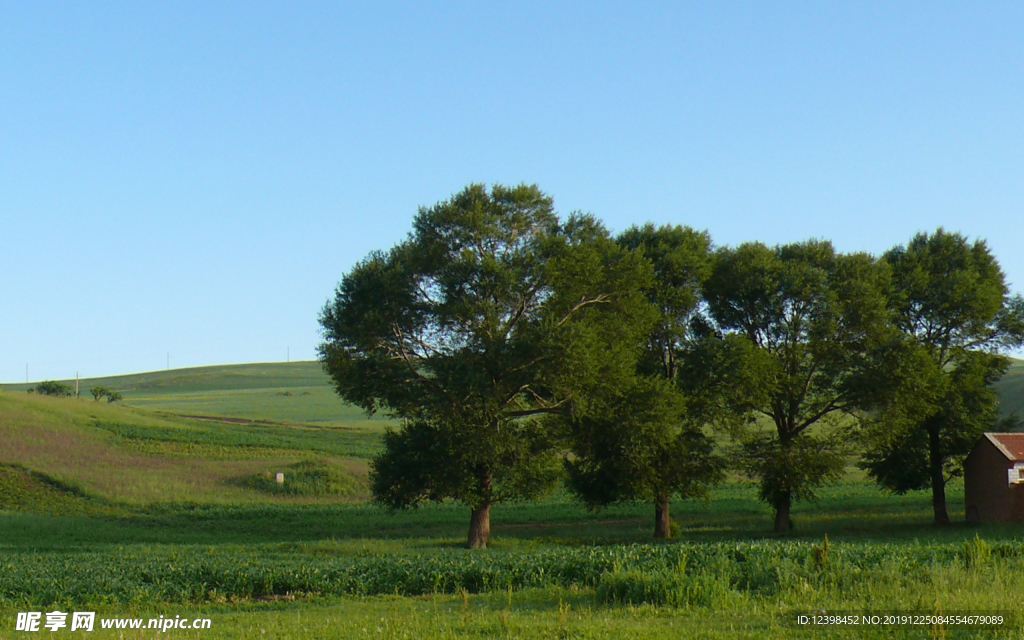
194, 178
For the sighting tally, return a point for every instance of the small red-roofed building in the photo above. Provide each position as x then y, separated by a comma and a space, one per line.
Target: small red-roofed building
994, 479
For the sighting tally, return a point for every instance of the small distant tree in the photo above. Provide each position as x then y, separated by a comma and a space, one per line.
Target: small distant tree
51, 388
103, 392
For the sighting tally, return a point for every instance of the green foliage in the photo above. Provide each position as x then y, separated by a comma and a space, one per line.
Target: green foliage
816, 318
645, 439
976, 553
51, 388
794, 470
422, 463
642, 447
492, 314
681, 259
950, 301
961, 405
305, 478
103, 392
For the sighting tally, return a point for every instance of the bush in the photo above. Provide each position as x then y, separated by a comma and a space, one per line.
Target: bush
976, 553
103, 392
51, 388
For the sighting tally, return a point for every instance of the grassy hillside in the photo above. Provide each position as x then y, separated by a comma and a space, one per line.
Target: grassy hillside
295, 392
1011, 390
134, 456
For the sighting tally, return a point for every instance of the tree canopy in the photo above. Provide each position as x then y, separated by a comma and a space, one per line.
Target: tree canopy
950, 301
514, 348
490, 316
814, 316
649, 443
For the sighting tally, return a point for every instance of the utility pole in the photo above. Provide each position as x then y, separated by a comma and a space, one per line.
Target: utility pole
76, 385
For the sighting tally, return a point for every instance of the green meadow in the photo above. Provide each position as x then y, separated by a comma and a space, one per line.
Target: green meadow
296, 392
1011, 390
132, 510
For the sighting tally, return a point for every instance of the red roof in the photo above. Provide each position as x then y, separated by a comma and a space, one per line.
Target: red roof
1010, 444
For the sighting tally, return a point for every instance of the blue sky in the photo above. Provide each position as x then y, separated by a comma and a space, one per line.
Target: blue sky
195, 178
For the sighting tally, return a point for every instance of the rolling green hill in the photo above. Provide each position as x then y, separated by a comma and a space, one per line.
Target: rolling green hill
128, 455
1011, 390
295, 392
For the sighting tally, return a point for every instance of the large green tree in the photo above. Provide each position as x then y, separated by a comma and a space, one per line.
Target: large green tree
814, 317
492, 315
950, 300
648, 443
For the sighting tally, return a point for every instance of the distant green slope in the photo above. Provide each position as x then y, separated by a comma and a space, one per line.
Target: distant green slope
129, 455
293, 392
216, 378
1011, 390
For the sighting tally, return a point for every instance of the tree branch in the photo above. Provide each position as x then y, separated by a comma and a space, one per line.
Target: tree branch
583, 303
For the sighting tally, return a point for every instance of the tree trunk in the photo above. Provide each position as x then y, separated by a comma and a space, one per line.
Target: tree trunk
662, 521
783, 524
938, 480
480, 527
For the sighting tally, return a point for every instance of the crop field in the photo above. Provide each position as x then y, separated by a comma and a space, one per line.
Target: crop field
136, 512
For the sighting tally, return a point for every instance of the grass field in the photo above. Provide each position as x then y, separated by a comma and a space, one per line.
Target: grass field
133, 511
296, 392
1011, 390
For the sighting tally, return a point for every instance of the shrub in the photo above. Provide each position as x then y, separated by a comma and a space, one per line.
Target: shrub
976, 553
51, 388
103, 392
